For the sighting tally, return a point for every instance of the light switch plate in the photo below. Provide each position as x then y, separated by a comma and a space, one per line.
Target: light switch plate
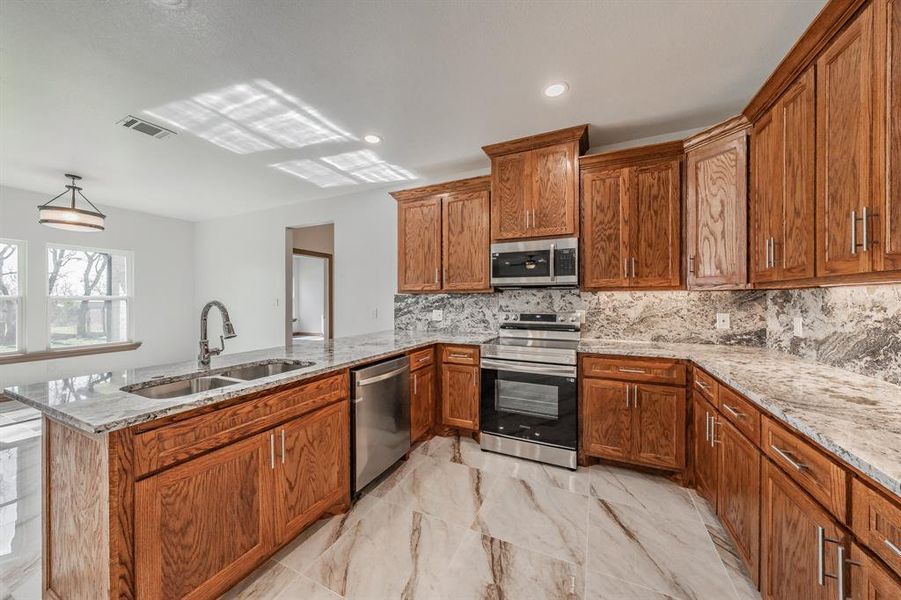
798, 323
723, 321
437, 314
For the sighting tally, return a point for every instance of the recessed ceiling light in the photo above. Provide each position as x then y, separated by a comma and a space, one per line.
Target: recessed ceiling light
171, 4
556, 89
371, 138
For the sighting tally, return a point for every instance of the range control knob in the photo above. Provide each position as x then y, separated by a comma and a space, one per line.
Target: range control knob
506, 317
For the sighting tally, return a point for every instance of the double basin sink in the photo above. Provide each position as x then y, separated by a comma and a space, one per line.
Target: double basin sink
204, 383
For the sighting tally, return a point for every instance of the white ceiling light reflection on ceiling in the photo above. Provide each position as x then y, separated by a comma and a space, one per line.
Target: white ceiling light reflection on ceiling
367, 166
371, 138
556, 89
314, 172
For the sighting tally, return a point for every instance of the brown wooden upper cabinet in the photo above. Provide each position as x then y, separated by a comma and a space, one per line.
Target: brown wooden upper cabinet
888, 128
782, 188
442, 237
716, 171
535, 184
631, 218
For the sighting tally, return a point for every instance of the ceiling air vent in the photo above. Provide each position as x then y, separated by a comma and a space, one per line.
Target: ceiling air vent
145, 127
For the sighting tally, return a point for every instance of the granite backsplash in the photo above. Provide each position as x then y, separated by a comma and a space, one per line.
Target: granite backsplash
855, 328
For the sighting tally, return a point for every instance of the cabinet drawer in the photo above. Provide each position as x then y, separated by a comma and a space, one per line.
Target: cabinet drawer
181, 440
421, 358
876, 522
635, 369
741, 413
461, 355
705, 385
822, 478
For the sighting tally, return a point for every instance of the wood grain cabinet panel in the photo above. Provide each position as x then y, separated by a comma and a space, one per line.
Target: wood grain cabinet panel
419, 245
607, 419
704, 454
655, 226
717, 213
422, 402
648, 370
845, 77
869, 579
888, 30
790, 519
738, 493
312, 473
605, 239
554, 191
706, 386
658, 425
876, 522
204, 524
741, 413
465, 241
511, 177
460, 396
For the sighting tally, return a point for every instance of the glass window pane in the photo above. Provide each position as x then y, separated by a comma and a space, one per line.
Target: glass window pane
9, 269
86, 322
86, 273
8, 323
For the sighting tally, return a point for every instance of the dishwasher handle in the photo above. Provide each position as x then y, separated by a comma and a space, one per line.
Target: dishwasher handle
383, 376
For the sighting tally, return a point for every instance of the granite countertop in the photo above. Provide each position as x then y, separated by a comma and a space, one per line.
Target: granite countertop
857, 418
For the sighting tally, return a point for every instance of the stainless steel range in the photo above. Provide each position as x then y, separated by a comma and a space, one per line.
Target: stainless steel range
529, 403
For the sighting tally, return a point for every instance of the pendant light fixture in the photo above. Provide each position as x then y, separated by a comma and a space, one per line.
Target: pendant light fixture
69, 217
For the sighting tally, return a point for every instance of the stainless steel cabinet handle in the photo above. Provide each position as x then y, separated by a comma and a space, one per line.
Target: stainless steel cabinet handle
713, 440
766, 253
283, 446
436, 275
853, 233
707, 426
893, 547
840, 562
787, 457
865, 224
635, 396
553, 251
628, 391
457, 355
415, 382
735, 412
821, 555
626, 267
691, 264
272, 451
630, 370
633, 267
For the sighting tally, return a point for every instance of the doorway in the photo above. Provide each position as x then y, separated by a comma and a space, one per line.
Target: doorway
310, 284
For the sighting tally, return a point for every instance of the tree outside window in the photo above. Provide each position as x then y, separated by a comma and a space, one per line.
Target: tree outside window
11, 296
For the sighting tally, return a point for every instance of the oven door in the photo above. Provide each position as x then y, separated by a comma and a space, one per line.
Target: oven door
530, 401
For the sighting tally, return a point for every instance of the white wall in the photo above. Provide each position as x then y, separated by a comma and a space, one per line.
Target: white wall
163, 312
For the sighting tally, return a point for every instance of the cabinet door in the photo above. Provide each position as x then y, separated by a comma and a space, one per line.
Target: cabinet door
460, 396
312, 467
793, 249
511, 190
789, 541
717, 201
767, 162
889, 30
605, 240
205, 523
554, 185
466, 241
869, 579
658, 425
738, 493
606, 419
705, 454
419, 245
655, 222
422, 402
845, 76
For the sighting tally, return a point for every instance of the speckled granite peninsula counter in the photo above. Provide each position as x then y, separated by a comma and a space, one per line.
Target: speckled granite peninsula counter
857, 418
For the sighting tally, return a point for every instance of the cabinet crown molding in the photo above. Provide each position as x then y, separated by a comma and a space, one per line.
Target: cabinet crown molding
640, 154
578, 133
728, 128
473, 184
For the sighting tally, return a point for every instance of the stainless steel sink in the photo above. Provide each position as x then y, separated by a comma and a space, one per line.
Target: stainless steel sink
258, 371
185, 387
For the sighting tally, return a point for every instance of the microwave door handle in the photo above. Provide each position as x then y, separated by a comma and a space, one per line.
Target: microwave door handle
524, 367
551, 261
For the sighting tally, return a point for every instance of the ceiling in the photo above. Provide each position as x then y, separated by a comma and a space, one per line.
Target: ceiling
437, 80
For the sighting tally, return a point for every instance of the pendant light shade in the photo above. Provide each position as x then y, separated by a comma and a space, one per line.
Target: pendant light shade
71, 218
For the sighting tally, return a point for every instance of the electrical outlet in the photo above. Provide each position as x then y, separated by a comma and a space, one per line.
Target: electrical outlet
723, 321
437, 315
798, 326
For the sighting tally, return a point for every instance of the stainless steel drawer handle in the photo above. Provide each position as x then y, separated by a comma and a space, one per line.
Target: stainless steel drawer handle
734, 412
893, 547
701, 385
787, 457
422, 359
628, 370
456, 355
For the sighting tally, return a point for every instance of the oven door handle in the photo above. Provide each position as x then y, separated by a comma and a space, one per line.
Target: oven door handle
524, 367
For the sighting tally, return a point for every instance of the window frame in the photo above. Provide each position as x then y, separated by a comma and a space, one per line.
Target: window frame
19, 298
128, 299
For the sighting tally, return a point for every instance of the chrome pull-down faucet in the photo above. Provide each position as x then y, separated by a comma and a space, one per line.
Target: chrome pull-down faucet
227, 328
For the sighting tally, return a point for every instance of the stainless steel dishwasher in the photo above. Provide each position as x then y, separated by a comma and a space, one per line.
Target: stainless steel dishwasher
381, 418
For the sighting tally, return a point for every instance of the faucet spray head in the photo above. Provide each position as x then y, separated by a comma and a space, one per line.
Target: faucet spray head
229, 330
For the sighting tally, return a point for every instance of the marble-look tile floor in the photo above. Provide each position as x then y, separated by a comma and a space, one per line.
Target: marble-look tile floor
453, 522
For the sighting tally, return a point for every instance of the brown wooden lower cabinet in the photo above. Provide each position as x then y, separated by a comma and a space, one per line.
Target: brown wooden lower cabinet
606, 419
869, 579
738, 493
789, 557
422, 402
704, 455
460, 396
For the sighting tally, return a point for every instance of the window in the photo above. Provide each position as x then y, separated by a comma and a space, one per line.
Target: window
89, 296
12, 290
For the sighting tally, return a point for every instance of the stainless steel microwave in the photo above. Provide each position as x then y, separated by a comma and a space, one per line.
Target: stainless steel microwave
534, 263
